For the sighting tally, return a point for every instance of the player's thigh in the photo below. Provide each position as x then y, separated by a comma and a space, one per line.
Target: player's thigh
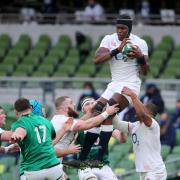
52, 173
105, 173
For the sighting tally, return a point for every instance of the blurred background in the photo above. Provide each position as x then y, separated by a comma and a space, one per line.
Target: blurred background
47, 49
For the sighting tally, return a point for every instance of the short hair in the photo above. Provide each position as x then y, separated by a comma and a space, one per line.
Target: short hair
59, 101
22, 104
1, 107
152, 108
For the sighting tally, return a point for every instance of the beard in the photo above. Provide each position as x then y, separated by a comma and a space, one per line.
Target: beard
72, 113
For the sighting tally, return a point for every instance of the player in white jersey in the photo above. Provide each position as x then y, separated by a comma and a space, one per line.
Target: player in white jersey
145, 138
124, 72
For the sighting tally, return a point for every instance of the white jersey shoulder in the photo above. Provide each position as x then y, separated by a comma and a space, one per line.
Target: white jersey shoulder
58, 122
146, 146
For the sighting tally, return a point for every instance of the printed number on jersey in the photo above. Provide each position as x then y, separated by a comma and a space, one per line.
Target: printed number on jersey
40, 133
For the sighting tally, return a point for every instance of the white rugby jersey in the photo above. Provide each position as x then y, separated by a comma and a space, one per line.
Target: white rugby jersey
123, 70
146, 144
58, 121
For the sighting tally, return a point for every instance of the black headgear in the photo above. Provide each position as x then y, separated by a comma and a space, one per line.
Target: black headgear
125, 20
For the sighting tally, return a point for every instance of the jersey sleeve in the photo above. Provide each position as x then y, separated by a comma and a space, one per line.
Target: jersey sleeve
105, 42
18, 124
144, 48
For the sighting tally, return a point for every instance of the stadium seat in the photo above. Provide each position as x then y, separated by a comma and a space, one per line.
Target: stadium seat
56, 51
6, 69
8, 161
150, 43
171, 169
23, 70
7, 107
85, 71
165, 150
64, 71
7, 176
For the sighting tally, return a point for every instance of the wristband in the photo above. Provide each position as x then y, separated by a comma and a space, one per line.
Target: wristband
105, 115
141, 60
114, 52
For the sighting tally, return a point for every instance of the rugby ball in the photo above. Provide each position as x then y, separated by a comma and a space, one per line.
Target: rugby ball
127, 49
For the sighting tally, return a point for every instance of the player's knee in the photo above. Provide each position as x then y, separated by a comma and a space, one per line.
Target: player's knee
99, 107
111, 102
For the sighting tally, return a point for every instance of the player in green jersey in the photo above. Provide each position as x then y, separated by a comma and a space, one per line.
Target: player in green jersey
34, 135
5, 135
105, 172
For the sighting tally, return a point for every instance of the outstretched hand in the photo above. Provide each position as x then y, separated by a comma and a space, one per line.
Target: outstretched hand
16, 137
127, 91
74, 148
135, 52
112, 109
123, 43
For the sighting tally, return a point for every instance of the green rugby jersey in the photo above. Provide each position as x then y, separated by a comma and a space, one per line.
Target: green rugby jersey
94, 149
36, 148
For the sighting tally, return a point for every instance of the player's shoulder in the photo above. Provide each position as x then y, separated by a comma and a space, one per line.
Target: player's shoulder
110, 36
59, 119
137, 38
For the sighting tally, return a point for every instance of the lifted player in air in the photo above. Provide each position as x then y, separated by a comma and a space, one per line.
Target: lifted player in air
124, 71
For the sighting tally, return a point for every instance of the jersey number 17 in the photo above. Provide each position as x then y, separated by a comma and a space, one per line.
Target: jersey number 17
40, 137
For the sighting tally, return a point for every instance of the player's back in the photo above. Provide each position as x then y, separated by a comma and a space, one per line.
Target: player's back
36, 148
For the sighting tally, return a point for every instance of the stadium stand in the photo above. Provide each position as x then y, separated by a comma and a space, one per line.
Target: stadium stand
43, 59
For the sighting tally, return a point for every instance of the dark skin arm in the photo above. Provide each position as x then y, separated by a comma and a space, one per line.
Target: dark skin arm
142, 113
136, 53
103, 54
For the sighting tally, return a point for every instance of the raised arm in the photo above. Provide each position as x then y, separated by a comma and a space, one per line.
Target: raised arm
18, 135
104, 54
61, 132
95, 121
141, 111
71, 149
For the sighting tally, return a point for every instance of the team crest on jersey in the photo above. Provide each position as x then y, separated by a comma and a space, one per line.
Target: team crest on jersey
120, 56
113, 43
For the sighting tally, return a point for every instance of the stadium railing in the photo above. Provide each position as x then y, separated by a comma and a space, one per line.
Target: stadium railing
66, 18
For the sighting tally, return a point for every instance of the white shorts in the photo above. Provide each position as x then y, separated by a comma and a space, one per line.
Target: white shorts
105, 173
116, 87
52, 173
158, 174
